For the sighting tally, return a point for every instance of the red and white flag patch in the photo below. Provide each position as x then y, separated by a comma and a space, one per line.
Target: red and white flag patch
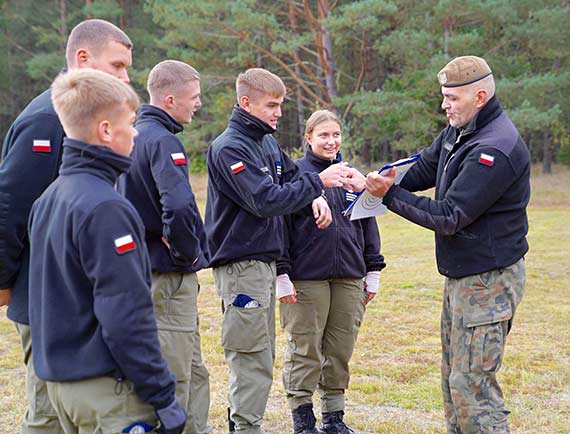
179, 158
125, 244
41, 146
237, 167
487, 160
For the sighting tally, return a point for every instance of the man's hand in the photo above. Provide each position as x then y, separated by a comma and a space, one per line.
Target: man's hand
378, 184
322, 213
335, 175
5, 294
355, 180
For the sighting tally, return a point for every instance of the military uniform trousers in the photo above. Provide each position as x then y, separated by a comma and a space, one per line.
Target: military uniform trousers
477, 315
175, 299
99, 405
40, 417
248, 339
322, 328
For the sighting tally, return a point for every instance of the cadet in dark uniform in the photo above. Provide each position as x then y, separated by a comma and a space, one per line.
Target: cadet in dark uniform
31, 156
334, 273
157, 185
95, 334
480, 168
251, 184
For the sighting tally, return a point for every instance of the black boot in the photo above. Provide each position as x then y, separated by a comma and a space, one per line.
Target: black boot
231, 424
304, 420
333, 423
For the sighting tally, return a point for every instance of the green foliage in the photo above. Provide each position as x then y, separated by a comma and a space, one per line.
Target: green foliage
385, 57
198, 164
45, 66
103, 9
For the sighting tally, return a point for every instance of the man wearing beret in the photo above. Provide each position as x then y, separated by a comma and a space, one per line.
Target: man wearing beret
480, 168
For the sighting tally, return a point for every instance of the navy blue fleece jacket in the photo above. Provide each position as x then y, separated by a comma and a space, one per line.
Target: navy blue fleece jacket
252, 183
91, 312
157, 185
481, 176
31, 155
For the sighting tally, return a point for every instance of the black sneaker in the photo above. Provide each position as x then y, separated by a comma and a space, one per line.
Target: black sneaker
333, 423
304, 421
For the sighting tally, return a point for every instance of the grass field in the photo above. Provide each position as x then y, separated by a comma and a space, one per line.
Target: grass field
395, 368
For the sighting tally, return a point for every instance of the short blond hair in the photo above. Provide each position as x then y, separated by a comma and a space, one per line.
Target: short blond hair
169, 76
93, 35
256, 82
82, 96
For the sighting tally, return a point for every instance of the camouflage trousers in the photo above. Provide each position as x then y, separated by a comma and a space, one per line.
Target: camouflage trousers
477, 315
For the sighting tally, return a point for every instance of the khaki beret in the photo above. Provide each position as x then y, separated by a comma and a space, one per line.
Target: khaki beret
462, 71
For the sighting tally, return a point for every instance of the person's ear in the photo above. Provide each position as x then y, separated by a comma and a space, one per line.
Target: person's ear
245, 103
82, 58
308, 139
168, 101
104, 131
480, 98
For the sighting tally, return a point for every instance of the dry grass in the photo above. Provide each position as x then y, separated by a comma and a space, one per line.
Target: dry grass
395, 368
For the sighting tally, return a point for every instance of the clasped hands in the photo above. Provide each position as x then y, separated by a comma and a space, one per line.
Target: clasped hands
342, 175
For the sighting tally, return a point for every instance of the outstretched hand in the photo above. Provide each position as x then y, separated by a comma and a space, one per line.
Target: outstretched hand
335, 175
355, 180
378, 184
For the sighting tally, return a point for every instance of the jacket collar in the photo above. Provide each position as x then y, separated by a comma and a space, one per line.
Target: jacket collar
101, 161
318, 162
490, 111
248, 124
149, 112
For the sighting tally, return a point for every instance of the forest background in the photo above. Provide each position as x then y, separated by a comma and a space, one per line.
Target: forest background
374, 62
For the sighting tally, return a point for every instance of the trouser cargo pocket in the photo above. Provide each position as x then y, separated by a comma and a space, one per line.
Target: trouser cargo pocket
244, 330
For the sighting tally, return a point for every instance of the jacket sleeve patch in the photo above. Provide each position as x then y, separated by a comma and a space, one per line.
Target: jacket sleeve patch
487, 160
179, 158
41, 146
125, 244
237, 167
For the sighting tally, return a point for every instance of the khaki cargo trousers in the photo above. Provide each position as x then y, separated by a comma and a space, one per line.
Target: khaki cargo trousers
98, 405
322, 328
175, 299
248, 339
40, 417
477, 315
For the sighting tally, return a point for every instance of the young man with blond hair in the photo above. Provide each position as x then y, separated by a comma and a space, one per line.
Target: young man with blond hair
252, 183
89, 264
31, 156
157, 185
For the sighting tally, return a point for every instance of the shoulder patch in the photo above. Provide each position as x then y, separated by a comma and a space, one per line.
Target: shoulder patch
237, 167
486, 159
279, 168
179, 158
41, 146
125, 244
